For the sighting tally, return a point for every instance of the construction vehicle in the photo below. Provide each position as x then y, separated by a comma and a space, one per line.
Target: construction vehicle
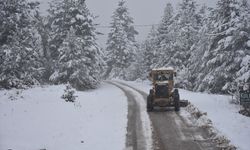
163, 93
244, 95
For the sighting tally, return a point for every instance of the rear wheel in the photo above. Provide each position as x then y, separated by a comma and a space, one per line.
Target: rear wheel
150, 102
176, 100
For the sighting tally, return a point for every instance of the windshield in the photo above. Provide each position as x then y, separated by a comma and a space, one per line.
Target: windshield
163, 77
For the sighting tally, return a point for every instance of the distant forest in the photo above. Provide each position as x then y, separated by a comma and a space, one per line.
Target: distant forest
208, 47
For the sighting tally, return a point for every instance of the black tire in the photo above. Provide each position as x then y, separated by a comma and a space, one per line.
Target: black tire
176, 100
151, 92
149, 103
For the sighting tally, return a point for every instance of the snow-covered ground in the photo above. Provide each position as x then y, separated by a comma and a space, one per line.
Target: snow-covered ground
224, 115
38, 118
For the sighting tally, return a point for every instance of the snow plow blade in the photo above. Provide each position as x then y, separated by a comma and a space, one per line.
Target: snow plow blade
184, 103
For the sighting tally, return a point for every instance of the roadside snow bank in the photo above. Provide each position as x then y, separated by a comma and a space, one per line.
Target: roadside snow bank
38, 118
218, 109
224, 116
200, 119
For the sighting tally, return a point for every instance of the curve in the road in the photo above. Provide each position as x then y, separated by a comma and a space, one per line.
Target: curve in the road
135, 139
172, 132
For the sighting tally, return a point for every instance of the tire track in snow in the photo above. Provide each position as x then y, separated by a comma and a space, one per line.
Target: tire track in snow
157, 143
139, 135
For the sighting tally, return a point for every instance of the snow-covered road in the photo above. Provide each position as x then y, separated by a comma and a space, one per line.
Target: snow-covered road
226, 120
38, 118
171, 131
139, 133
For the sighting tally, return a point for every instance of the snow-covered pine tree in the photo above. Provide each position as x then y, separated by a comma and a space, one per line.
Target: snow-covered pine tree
199, 51
137, 69
156, 49
19, 44
69, 94
150, 51
165, 37
166, 21
121, 45
228, 47
43, 30
186, 28
183, 34
244, 39
79, 59
58, 21
172, 43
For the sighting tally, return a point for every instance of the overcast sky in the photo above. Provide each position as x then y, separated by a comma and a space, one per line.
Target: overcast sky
144, 12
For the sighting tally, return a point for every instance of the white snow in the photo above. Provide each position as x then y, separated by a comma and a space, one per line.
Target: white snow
224, 115
164, 68
38, 118
80, 17
248, 43
244, 73
54, 76
245, 61
73, 20
228, 41
146, 124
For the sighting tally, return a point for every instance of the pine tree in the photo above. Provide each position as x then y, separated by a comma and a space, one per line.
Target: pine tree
228, 46
243, 39
150, 50
79, 57
166, 21
177, 35
165, 37
121, 45
199, 51
58, 21
19, 45
44, 30
186, 27
137, 69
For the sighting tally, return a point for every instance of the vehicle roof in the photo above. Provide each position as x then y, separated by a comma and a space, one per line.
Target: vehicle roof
163, 69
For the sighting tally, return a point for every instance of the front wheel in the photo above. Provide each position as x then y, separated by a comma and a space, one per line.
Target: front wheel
149, 103
176, 100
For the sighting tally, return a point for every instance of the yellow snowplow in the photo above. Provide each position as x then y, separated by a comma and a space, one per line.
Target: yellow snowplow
163, 93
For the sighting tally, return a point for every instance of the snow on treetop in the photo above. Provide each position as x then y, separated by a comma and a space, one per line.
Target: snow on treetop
80, 17
163, 68
248, 43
